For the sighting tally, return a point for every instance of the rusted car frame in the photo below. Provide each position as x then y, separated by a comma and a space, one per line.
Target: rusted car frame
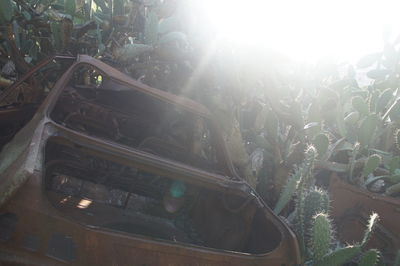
74, 193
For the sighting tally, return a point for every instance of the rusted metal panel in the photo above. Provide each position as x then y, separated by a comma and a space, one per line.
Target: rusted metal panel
351, 207
74, 193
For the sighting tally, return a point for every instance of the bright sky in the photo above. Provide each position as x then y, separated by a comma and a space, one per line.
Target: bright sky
307, 30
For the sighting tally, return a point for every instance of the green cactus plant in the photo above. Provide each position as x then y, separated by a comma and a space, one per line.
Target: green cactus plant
322, 229
316, 201
370, 258
304, 184
373, 220
396, 261
360, 105
321, 236
288, 191
301, 175
339, 256
321, 143
372, 163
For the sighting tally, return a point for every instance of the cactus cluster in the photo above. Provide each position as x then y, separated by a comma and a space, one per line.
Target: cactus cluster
311, 220
322, 237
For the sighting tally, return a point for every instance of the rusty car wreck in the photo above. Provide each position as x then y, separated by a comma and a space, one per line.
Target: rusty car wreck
112, 172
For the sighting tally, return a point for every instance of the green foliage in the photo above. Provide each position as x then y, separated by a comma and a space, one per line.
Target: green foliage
373, 220
321, 143
339, 256
360, 105
316, 201
321, 236
370, 258
288, 192
367, 129
372, 163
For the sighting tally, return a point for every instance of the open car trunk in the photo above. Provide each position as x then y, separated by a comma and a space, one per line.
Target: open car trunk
112, 172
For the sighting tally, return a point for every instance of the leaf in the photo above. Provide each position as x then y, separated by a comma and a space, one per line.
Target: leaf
360, 105
377, 73
6, 11
368, 60
367, 129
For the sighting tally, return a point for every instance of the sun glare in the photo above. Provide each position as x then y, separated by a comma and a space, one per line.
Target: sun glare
306, 30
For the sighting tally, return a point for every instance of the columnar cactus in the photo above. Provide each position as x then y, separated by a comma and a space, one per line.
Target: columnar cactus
316, 200
321, 236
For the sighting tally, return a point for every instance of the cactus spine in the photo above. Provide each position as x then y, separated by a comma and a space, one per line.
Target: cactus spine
321, 236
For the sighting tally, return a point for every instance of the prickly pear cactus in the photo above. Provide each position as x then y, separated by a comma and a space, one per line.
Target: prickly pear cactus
373, 220
370, 258
372, 163
321, 236
339, 256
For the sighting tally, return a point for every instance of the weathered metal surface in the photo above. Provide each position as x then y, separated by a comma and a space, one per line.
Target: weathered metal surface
74, 193
351, 207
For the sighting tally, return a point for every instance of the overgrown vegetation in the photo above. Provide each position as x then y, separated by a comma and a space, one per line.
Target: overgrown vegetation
270, 110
